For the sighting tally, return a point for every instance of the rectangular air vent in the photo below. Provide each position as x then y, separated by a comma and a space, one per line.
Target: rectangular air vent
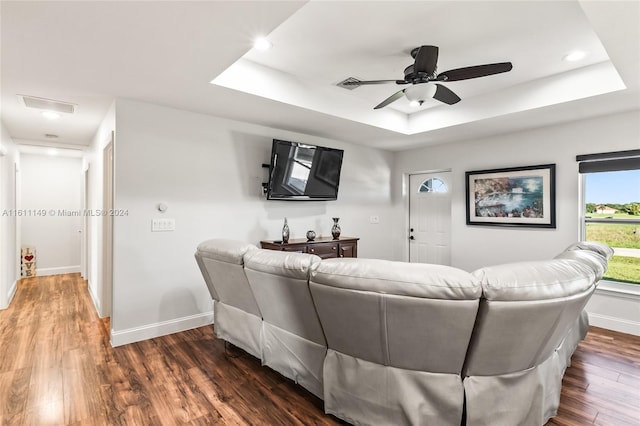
47, 104
349, 83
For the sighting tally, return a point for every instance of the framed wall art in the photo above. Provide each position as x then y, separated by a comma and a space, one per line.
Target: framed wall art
517, 196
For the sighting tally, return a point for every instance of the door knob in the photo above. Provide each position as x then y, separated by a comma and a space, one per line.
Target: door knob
410, 229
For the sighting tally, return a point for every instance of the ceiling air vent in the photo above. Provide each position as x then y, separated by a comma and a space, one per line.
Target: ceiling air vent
47, 104
349, 86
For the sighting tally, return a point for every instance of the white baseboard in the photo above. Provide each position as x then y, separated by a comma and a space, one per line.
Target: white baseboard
96, 301
58, 270
12, 292
616, 324
615, 307
137, 334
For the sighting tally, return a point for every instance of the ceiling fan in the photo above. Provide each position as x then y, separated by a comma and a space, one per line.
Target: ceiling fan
423, 70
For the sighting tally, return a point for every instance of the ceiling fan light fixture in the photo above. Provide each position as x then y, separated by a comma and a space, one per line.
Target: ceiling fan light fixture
418, 93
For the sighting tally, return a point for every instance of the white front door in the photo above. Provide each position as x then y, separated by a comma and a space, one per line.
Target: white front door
430, 218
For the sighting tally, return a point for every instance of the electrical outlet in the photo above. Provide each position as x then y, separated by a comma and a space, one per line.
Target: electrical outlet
374, 219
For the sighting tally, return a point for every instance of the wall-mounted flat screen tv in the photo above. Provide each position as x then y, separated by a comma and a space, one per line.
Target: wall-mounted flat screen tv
301, 171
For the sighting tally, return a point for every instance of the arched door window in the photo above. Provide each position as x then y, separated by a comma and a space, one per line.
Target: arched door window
433, 185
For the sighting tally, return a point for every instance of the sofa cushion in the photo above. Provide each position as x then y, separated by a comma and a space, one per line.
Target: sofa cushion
399, 278
593, 259
221, 263
280, 283
601, 249
282, 263
229, 251
536, 280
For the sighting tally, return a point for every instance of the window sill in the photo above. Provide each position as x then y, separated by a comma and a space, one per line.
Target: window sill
614, 288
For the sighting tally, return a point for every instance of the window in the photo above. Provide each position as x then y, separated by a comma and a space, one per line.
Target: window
433, 185
299, 169
611, 209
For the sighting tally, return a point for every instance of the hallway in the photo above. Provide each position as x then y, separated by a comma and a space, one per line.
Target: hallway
57, 367
48, 335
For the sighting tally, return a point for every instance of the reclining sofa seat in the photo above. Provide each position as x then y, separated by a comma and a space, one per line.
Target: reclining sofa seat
597, 256
237, 318
293, 342
530, 320
408, 343
397, 335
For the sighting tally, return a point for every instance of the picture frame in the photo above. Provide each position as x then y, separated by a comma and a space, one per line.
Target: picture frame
516, 196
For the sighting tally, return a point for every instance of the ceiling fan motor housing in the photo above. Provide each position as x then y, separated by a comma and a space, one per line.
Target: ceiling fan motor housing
421, 77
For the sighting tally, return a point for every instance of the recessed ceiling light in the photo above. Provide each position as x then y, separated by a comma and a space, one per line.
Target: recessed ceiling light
52, 151
574, 56
50, 115
261, 43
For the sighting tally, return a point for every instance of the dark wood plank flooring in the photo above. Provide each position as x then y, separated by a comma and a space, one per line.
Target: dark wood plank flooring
57, 367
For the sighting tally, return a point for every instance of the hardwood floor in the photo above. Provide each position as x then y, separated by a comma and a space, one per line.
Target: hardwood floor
57, 367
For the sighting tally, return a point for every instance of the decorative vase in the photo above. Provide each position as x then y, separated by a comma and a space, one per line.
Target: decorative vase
285, 232
335, 229
311, 235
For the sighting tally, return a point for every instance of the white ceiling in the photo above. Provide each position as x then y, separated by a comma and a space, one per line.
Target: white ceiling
88, 53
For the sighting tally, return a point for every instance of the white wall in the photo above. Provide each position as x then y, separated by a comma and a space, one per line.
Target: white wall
208, 171
9, 264
51, 194
477, 246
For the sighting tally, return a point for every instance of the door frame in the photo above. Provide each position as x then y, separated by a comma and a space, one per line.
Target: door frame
85, 243
108, 191
17, 202
406, 193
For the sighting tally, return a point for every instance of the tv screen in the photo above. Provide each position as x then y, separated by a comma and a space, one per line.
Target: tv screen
303, 172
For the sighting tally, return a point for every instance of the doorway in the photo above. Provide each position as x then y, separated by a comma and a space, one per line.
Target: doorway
430, 217
51, 202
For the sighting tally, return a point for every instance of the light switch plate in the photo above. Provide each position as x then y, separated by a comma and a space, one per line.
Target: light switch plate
163, 225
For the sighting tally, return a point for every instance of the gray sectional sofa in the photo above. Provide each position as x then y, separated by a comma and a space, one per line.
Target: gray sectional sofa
393, 343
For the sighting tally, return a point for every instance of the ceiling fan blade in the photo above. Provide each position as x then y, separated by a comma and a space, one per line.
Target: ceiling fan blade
426, 59
474, 72
367, 82
445, 95
391, 99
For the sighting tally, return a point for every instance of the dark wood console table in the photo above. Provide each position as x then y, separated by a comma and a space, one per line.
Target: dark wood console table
325, 247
